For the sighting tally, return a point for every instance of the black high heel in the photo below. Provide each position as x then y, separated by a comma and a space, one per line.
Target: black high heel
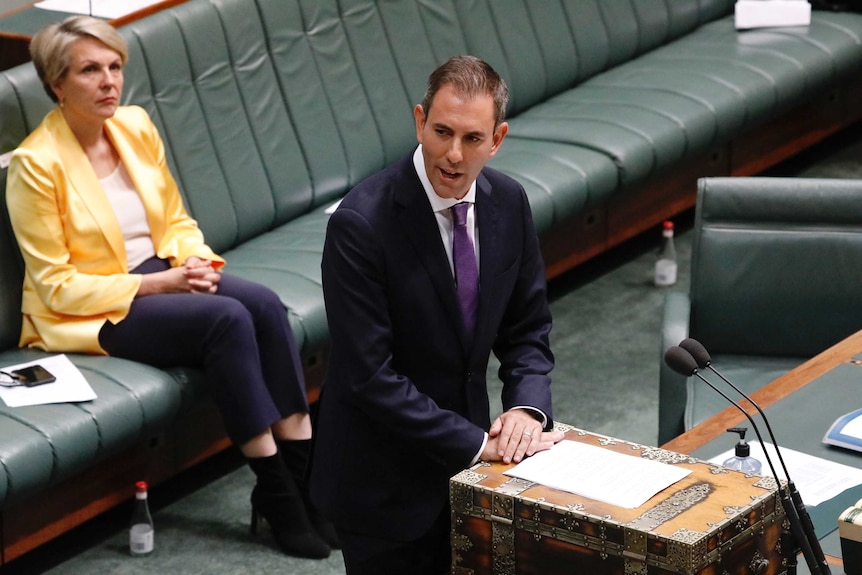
255, 517
282, 507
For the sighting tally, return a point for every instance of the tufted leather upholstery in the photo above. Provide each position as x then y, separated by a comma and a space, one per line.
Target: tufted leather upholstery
775, 281
272, 109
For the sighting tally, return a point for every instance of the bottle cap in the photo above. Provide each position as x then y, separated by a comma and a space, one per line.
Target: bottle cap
667, 225
742, 448
141, 487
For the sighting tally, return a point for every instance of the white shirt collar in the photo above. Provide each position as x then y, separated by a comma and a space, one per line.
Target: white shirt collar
438, 204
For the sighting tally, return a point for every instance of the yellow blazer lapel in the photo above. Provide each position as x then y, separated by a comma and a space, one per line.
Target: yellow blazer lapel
143, 170
83, 182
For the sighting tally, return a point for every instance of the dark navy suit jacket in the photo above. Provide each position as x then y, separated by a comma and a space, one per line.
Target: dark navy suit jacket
405, 404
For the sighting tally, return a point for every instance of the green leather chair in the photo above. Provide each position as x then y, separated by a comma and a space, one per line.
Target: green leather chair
776, 278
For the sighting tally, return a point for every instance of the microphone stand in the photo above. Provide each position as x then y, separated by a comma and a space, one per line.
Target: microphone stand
790, 510
702, 360
821, 565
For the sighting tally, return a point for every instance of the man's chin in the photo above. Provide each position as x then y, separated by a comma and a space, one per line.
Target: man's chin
452, 190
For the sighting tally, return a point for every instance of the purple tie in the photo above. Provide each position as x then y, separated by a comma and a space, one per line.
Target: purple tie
466, 272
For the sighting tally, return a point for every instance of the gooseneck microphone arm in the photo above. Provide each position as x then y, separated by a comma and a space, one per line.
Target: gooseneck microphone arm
703, 360
683, 363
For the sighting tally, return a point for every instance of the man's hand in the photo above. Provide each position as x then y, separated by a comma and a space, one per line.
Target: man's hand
517, 433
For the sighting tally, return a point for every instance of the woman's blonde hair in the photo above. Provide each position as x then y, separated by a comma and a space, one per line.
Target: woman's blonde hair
49, 48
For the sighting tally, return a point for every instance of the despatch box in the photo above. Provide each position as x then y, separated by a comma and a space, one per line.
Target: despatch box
715, 521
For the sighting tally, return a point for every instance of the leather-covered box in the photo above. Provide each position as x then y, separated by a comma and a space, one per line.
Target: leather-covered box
715, 521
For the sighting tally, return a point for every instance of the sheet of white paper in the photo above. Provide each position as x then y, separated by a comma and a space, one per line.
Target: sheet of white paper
70, 385
817, 479
97, 8
598, 473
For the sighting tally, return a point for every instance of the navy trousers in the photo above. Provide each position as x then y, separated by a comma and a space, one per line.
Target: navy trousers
239, 336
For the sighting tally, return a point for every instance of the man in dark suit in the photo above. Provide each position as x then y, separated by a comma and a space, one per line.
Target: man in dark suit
405, 403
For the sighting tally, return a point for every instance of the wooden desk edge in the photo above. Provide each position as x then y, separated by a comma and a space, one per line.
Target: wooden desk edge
116, 22
778, 389
783, 386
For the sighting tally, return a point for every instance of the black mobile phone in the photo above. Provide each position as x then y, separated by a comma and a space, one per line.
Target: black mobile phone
33, 375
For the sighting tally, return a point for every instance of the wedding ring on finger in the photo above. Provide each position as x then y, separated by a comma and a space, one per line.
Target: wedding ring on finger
528, 434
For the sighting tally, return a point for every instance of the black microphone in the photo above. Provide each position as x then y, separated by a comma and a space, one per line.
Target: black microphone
704, 361
684, 363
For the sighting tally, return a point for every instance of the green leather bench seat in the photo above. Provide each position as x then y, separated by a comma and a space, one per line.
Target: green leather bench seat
44, 445
774, 281
682, 98
272, 109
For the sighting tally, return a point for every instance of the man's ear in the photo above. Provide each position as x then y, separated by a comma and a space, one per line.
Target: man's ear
499, 136
419, 118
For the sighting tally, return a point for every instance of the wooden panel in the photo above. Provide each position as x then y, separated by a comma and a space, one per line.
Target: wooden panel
28, 525
783, 386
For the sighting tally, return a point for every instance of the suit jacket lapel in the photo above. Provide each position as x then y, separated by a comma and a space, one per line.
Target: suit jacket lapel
487, 214
83, 180
420, 226
143, 174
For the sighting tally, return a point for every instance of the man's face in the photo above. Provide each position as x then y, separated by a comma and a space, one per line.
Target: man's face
458, 138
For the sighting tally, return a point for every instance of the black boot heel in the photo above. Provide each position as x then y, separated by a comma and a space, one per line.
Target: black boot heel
289, 524
254, 519
296, 455
276, 499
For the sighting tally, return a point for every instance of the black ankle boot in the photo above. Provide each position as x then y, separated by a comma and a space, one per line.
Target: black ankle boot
277, 499
296, 454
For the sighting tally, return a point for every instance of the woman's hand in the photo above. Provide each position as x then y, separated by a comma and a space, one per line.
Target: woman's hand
195, 276
201, 275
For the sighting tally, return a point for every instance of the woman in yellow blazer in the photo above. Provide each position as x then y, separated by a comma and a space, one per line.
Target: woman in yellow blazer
115, 265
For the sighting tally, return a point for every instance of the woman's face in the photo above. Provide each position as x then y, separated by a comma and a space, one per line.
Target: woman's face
91, 90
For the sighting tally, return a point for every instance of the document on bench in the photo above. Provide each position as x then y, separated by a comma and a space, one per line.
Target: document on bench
99, 8
598, 473
70, 386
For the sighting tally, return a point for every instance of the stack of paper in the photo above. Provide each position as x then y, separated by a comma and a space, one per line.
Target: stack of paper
771, 13
598, 473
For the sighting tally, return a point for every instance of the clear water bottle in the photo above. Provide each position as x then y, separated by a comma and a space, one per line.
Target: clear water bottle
742, 459
666, 265
141, 532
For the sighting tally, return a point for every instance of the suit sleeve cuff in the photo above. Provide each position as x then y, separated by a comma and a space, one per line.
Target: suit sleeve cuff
537, 413
479, 453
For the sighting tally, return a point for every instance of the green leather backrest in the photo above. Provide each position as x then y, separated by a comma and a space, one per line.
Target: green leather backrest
272, 108
776, 265
23, 103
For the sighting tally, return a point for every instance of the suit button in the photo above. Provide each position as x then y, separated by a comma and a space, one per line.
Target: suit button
469, 376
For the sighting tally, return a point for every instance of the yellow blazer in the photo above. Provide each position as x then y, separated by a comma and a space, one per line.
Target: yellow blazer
77, 275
